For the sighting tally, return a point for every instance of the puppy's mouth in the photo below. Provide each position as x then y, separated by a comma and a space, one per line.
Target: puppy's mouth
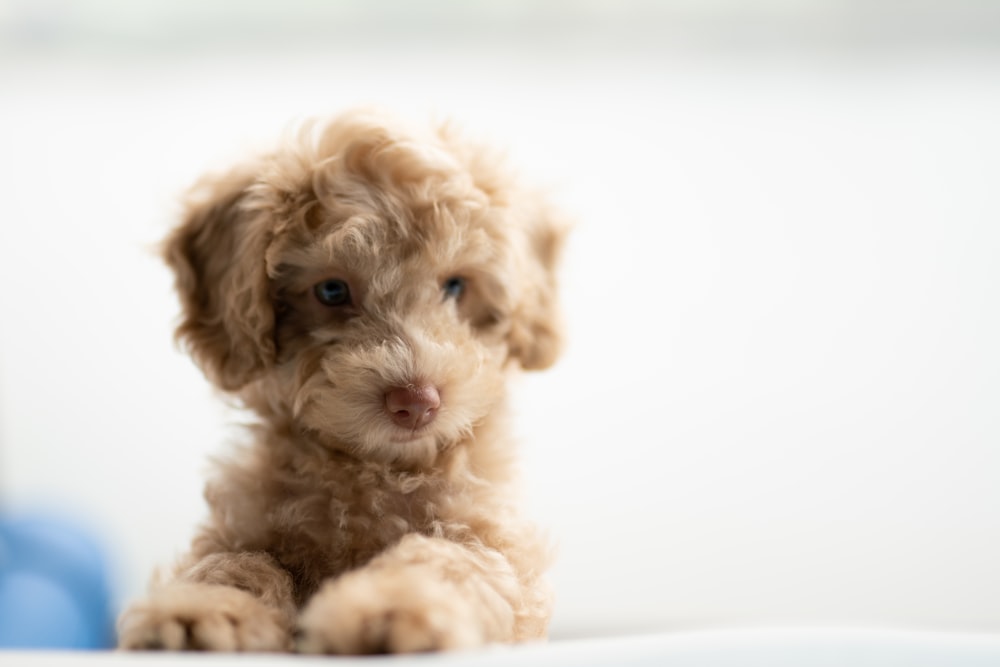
400, 435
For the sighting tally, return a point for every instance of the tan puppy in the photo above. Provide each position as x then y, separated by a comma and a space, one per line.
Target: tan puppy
365, 292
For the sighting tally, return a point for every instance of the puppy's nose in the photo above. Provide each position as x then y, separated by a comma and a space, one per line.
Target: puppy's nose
413, 406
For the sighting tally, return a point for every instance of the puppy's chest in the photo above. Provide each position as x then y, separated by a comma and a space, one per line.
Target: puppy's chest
378, 514
338, 522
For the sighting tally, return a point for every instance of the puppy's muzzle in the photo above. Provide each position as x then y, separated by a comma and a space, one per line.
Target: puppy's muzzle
412, 406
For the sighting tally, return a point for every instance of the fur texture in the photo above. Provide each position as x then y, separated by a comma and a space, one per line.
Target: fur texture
348, 524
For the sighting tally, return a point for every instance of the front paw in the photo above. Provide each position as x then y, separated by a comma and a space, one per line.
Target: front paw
363, 613
202, 617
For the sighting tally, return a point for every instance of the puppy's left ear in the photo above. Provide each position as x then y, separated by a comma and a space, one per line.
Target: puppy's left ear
535, 337
539, 233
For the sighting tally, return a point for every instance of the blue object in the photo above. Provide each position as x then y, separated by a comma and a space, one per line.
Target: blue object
54, 589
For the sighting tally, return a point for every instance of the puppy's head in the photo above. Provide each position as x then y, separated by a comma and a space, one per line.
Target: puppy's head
370, 284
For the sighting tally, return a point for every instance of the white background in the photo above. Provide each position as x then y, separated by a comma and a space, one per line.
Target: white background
781, 399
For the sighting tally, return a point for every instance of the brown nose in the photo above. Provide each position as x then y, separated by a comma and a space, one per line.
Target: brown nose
413, 406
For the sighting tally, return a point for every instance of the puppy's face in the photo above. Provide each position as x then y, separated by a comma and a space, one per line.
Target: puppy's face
391, 318
371, 285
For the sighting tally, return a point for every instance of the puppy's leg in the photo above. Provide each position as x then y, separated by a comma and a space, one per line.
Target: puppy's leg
224, 602
423, 594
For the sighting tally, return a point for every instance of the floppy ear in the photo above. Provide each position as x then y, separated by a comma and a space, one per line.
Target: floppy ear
535, 337
535, 334
217, 254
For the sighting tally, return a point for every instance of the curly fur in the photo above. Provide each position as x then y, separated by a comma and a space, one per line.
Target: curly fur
334, 530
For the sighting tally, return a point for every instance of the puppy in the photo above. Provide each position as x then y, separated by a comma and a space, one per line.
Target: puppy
366, 292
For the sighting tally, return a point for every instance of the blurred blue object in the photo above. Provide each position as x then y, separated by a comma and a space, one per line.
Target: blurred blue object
54, 589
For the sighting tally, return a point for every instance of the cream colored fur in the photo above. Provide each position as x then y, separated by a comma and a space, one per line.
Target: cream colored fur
334, 530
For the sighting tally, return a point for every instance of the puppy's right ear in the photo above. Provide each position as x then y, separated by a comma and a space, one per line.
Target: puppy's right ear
218, 257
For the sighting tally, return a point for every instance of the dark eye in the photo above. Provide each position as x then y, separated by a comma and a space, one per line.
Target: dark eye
453, 287
333, 293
